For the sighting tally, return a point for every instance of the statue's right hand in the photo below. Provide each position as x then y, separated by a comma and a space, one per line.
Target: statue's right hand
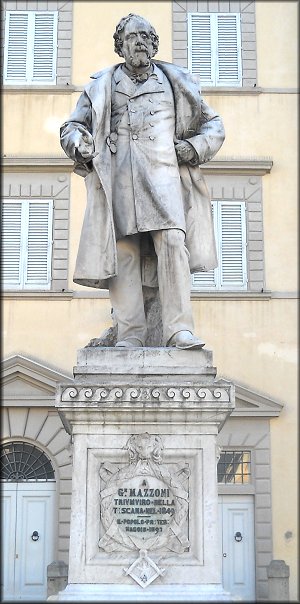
83, 144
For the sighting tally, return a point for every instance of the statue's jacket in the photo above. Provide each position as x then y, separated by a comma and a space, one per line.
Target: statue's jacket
195, 122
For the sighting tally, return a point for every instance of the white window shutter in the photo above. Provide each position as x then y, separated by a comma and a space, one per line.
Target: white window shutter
30, 47
228, 50
15, 50
232, 241
44, 47
230, 230
27, 243
39, 244
200, 47
204, 280
214, 48
11, 243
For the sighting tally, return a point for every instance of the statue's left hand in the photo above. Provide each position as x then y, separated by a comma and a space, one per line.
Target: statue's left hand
185, 152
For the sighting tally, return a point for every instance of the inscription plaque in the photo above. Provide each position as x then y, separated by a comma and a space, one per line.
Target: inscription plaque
144, 505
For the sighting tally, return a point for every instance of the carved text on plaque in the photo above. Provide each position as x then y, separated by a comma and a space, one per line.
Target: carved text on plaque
144, 505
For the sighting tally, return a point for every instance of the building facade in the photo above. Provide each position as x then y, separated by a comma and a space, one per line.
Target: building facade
246, 310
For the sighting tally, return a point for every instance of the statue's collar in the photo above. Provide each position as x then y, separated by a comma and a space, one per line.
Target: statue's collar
122, 72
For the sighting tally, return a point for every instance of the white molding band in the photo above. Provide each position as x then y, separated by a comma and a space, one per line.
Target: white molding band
222, 165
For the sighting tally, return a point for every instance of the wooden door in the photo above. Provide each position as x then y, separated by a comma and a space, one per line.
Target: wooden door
236, 516
28, 539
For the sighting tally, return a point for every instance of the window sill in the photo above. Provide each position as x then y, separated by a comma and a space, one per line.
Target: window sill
11, 163
205, 90
228, 90
103, 294
226, 489
37, 294
72, 294
40, 89
230, 295
245, 90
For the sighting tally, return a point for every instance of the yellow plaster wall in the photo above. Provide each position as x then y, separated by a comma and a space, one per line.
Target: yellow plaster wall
277, 43
52, 331
253, 342
259, 125
285, 491
93, 29
32, 121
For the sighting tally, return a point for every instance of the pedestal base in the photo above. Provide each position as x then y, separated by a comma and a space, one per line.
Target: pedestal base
156, 593
144, 521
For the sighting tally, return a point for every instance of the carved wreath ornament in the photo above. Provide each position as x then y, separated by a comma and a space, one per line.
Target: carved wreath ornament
144, 505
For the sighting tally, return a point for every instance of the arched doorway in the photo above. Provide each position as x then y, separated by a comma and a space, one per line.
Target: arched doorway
28, 504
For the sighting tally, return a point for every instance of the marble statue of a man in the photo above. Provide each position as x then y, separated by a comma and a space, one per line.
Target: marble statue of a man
137, 135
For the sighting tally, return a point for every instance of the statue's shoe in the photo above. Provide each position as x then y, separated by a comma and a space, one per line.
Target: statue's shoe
185, 340
129, 343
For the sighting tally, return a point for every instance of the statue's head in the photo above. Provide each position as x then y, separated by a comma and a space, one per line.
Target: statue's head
136, 40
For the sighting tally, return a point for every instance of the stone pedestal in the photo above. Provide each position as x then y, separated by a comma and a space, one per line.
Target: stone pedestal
144, 522
278, 573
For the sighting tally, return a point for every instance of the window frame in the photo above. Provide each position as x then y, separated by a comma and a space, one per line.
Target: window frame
31, 29
215, 79
247, 11
23, 283
218, 285
34, 181
33, 463
64, 40
240, 483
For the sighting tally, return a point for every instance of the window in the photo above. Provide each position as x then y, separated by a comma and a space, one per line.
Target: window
234, 467
29, 196
21, 461
225, 52
30, 50
230, 231
27, 243
215, 48
37, 47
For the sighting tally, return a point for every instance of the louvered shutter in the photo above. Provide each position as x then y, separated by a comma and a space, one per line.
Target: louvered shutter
200, 47
232, 230
44, 47
228, 50
30, 47
39, 244
214, 48
27, 244
15, 50
11, 243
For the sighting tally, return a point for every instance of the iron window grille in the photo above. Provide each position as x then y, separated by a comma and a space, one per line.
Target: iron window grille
234, 467
23, 462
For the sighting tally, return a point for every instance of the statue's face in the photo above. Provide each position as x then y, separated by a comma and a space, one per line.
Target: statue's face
137, 46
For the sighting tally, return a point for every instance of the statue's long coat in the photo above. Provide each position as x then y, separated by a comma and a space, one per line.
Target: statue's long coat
196, 122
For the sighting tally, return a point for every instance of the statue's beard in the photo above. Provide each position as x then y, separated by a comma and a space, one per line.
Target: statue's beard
140, 59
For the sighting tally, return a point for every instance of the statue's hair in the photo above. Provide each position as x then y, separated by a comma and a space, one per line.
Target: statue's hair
120, 28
